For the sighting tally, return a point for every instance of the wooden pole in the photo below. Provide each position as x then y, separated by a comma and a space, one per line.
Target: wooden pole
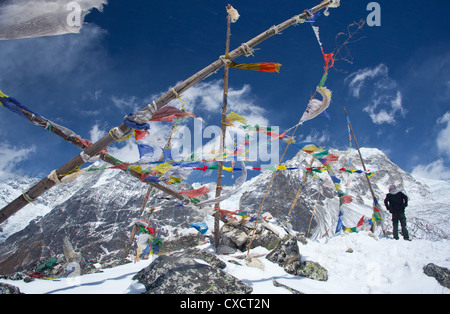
364, 167
146, 113
360, 156
133, 231
222, 137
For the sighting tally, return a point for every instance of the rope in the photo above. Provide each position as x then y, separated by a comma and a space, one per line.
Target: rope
178, 96
27, 198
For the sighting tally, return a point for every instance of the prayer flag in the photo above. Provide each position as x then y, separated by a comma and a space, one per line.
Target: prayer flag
269, 67
145, 150
194, 193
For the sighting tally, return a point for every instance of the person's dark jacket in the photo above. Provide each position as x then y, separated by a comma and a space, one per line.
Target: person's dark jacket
396, 203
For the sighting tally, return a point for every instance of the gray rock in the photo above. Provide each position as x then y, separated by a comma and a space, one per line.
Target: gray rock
441, 274
9, 289
285, 252
308, 269
287, 255
189, 272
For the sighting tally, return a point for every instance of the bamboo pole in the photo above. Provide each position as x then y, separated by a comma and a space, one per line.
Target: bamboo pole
364, 166
133, 231
223, 129
62, 131
360, 156
45, 184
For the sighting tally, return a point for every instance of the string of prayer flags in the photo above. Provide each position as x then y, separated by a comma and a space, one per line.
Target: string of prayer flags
269, 67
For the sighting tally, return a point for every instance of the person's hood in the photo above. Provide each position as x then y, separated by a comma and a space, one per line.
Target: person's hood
394, 190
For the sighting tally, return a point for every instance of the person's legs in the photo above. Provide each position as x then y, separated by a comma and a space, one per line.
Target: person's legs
404, 229
395, 227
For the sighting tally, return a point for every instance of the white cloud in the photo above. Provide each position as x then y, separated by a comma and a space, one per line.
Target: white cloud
129, 103
208, 96
380, 92
11, 156
443, 138
356, 80
74, 56
435, 170
95, 133
438, 169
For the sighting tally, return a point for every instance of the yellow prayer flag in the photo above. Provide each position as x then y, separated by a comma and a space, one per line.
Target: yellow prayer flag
227, 168
162, 168
3, 95
232, 116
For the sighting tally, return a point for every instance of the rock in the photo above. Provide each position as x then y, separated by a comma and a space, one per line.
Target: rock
238, 236
9, 289
182, 242
441, 274
293, 291
254, 262
225, 250
308, 269
189, 272
285, 253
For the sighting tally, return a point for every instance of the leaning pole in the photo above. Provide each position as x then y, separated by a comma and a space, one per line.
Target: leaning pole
144, 115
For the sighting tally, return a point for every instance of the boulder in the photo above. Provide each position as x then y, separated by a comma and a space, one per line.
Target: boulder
441, 274
192, 271
308, 269
287, 255
286, 252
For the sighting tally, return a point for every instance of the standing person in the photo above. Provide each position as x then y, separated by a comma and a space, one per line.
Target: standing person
396, 202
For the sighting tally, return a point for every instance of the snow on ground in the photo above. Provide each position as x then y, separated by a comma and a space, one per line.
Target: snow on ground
379, 266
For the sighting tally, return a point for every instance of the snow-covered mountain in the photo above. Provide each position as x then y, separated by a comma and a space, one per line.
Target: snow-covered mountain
97, 211
428, 212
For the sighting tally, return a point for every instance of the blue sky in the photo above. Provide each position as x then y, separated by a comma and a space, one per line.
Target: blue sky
397, 90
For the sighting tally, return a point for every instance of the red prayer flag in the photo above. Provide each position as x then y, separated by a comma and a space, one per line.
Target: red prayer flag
195, 193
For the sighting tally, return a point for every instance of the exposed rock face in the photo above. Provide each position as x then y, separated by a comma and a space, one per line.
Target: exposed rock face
190, 272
